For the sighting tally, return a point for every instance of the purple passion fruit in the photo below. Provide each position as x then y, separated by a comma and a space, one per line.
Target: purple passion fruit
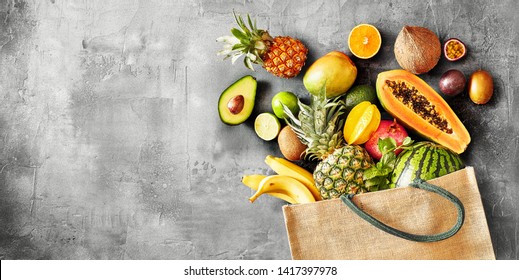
452, 82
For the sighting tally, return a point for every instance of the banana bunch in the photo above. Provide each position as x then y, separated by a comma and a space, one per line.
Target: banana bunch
293, 183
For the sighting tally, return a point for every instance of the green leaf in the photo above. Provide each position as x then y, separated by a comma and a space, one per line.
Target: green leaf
241, 24
387, 159
290, 115
244, 28
375, 182
371, 173
384, 185
251, 25
239, 34
386, 170
386, 144
258, 57
377, 177
248, 63
372, 182
407, 141
238, 47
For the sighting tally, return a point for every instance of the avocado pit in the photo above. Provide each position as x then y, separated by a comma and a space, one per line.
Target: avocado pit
235, 105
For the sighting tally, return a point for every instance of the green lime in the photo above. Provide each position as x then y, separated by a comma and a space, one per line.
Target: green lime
358, 94
287, 98
267, 126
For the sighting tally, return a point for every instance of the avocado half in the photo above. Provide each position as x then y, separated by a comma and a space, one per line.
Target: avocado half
237, 101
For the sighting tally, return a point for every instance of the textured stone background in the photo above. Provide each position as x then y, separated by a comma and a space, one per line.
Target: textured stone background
110, 141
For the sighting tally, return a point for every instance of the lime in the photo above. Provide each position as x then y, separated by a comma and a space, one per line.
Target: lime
267, 126
287, 98
358, 94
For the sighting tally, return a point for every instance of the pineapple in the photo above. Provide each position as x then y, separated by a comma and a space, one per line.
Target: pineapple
342, 172
281, 56
341, 167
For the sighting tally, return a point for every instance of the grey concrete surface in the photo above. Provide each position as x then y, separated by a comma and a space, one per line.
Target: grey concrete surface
110, 142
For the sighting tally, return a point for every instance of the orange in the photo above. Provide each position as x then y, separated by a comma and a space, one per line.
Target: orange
364, 41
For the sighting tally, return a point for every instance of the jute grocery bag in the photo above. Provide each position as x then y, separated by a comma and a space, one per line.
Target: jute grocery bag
452, 214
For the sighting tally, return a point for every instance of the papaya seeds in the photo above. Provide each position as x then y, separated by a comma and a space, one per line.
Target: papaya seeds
417, 106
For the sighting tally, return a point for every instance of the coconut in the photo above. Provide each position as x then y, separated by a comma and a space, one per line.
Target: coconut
417, 49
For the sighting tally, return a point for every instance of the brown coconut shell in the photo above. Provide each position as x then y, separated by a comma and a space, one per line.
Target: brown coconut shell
417, 49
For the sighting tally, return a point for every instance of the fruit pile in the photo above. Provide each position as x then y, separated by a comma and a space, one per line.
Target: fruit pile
342, 129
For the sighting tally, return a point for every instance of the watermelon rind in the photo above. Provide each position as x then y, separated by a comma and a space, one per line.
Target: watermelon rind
424, 160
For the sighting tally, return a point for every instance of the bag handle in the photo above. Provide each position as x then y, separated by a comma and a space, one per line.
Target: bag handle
419, 184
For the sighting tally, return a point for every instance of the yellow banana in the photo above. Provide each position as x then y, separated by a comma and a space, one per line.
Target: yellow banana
285, 185
284, 167
253, 182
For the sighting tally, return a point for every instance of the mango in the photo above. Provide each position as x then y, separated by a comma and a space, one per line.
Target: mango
335, 72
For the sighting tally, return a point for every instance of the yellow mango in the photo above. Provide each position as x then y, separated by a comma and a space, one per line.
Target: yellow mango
334, 70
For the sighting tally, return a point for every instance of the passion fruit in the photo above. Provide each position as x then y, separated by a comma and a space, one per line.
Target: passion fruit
452, 82
481, 87
454, 49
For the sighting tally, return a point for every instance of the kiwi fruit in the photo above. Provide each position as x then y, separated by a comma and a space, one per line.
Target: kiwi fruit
290, 146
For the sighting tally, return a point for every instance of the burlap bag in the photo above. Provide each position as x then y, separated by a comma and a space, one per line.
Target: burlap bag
331, 230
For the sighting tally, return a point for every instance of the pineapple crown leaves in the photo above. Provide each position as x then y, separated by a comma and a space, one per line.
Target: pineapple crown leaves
318, 126
248, 40
377, 176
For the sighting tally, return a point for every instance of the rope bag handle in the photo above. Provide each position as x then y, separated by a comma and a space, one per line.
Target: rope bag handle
419, 184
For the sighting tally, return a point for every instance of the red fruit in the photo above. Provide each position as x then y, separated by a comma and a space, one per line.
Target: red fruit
386, 129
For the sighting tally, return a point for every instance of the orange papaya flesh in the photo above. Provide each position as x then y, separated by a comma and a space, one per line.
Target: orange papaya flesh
420, 108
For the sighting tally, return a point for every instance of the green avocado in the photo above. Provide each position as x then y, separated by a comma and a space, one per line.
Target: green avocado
358, 94
237, 101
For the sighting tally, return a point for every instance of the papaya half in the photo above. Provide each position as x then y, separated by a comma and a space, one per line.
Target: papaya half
420, 108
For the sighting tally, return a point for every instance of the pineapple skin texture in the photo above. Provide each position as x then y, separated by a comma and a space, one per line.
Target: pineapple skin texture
285, 57
342, 172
